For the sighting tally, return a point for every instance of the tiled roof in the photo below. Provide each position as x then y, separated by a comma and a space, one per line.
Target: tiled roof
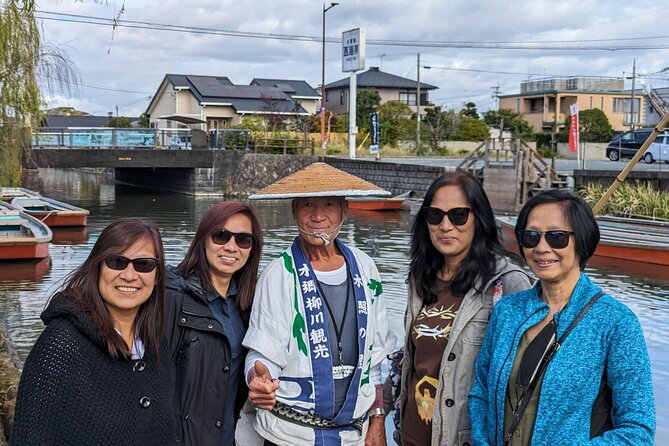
378, 79
65, 121
291, 87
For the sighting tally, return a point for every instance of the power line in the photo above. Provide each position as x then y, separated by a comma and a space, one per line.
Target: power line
554, 45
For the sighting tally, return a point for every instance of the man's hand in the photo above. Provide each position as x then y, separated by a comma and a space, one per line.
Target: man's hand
376, 432
262, 388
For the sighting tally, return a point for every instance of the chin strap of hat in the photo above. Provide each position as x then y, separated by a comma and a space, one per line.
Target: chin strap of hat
324, 235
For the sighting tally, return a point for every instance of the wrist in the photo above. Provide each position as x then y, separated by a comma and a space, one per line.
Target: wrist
377, 412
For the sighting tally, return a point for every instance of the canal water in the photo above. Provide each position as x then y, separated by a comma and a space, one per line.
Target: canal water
26, 286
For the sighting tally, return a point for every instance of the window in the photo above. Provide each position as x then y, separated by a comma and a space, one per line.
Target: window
622, 105
327, 97
408, 98
518, 104
591, 102
341, 97
601, 103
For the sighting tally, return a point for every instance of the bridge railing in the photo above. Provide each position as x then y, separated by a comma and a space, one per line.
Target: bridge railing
105, 137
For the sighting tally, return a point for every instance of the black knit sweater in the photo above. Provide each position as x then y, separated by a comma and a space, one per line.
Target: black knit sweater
73, 393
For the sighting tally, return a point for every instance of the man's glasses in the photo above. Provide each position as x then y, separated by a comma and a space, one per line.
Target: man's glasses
243, 239
555, 239
141, 265
457, 216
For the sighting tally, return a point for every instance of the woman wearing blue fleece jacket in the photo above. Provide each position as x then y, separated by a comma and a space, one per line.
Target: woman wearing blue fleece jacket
557, 234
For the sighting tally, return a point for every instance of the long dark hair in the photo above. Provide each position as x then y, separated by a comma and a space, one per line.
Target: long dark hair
82, 289
577, 213
480, 262
196, 263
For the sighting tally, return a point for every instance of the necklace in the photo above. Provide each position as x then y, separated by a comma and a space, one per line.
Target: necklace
339, 328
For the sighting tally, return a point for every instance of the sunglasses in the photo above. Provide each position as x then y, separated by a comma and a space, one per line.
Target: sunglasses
243, 239
141, 265
457, 216
555, 239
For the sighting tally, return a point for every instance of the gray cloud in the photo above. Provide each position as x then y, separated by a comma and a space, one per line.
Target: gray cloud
138, 59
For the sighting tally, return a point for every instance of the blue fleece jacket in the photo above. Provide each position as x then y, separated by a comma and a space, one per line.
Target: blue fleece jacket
609, 336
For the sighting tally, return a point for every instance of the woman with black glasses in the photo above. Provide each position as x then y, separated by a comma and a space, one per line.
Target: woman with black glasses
458, 270
562, 363
99, 372
209, 300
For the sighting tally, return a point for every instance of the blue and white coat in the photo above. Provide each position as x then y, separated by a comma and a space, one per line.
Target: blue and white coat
609, 337
287, 325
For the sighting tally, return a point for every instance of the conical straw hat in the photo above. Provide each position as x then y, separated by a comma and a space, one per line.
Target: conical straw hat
319, 180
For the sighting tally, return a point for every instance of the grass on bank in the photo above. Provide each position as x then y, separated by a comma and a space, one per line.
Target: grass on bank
630, 199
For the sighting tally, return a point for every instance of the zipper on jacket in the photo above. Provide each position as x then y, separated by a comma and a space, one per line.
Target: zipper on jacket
499, 375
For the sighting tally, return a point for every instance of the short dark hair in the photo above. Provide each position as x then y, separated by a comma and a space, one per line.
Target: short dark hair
480, 261
577, 213
196, 263
82, 288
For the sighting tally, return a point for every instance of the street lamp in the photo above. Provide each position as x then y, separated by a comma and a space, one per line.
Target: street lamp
332, 5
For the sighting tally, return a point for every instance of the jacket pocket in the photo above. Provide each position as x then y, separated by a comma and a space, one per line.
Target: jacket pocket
187, 347
474, 332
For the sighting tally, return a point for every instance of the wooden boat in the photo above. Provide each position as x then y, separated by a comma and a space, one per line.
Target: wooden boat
21, 235
377, 203
52, 212
628, 239
29, 270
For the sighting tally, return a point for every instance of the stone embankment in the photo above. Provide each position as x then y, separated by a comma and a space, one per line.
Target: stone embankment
9, 383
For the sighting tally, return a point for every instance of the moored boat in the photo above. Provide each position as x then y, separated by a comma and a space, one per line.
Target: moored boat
21, 235
52, 212
377, 203
628, 239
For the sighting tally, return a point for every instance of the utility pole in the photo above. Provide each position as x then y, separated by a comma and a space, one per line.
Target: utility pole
332, 5
632, 102
417, 102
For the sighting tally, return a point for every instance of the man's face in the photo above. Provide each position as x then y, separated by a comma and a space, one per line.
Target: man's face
319, 214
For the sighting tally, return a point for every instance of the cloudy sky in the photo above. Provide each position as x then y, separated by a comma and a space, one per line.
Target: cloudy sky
471, 46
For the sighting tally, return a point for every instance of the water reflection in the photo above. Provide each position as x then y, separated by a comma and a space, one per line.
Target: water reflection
25, 287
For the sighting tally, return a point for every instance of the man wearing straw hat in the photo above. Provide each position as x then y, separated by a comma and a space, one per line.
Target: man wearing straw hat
318, 330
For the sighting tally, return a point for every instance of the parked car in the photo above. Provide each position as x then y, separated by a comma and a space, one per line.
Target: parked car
180, 142
627, 144
658, 150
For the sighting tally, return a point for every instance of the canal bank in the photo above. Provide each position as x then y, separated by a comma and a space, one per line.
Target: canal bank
9, 383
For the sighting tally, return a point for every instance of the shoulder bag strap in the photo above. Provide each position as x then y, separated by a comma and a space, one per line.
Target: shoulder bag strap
544, 364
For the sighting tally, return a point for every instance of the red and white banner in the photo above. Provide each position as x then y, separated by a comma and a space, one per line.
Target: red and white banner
573, 128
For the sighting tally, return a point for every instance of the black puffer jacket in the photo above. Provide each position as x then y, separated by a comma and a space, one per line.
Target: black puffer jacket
200, 354
73, 393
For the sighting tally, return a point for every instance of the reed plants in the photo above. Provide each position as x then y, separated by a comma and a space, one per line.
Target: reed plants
630, 200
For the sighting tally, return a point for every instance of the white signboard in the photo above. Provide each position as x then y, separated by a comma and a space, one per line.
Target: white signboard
353, 50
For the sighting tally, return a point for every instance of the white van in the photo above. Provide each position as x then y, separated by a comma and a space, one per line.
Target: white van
658, 150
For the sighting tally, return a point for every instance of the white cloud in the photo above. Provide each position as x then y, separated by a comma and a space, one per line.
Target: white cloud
138, 59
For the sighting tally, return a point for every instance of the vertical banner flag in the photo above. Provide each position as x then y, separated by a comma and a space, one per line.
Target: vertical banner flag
573, 128
374, 131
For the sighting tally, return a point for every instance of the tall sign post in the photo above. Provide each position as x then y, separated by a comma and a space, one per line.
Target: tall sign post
353, 59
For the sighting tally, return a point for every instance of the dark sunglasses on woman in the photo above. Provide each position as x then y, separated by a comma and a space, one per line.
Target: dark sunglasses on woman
141, 265
222, 236
555, 239
457, 216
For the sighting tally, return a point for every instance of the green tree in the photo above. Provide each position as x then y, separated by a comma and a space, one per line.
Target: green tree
119, 122
144, 121
435, 124
593, 126
68, 111
512, 121
366, 102
469, 111
394, 122
473, 130
24, 60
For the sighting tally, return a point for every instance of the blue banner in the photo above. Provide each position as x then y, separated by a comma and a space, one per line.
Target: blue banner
374, 133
